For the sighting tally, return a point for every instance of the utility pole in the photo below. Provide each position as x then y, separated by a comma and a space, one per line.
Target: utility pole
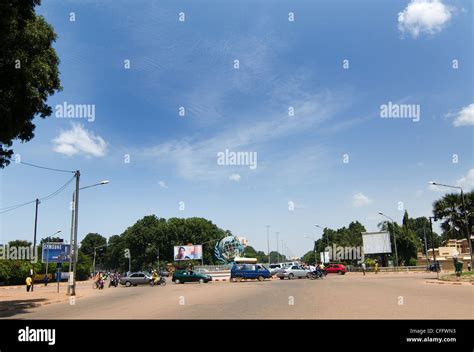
268, 243
72, 282
426, 248
433, 247
34, 244
71, 242
466, 218
278, 250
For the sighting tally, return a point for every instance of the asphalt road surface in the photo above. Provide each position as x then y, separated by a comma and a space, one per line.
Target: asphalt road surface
352, 296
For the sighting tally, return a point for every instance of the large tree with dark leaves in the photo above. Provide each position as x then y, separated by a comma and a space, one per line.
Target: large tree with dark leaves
450, 211
28, 72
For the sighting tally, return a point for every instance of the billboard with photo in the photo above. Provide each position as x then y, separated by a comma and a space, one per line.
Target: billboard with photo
56, 252
376, 242
188, 252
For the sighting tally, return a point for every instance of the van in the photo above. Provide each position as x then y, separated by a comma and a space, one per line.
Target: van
249, 271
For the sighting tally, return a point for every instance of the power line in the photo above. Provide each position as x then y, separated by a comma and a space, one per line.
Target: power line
49, 196
13, 207
46, 168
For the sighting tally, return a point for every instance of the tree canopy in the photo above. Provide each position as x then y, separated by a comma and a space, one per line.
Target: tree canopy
28, 72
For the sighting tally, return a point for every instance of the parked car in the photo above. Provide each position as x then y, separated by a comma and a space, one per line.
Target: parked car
275, 267
134, 279
164, 273
182, 276
292, 272
249, 271
202, 271
335, 269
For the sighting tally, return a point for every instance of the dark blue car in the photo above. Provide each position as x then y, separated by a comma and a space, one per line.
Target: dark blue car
249, 271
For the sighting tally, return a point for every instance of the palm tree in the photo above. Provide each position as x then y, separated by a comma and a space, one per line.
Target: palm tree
449, 208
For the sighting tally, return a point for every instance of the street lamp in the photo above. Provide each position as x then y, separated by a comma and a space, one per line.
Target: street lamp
314, 244
466, 219
95, 249
278, 253
268, 243
327, 237
327, 240
433, 246
394, 238
71, 289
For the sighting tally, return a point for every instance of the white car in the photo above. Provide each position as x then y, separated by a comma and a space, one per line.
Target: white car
292, 272
275, 267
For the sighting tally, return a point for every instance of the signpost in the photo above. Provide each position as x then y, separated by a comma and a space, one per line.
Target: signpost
56, 252
58, 273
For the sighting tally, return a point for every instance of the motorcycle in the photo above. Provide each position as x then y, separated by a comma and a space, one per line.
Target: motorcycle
113, 282
99, 284
317, 274
161, 281
434, 267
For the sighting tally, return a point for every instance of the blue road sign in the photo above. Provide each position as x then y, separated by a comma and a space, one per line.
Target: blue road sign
56, 253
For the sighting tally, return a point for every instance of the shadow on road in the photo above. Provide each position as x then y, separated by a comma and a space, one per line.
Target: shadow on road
12, 308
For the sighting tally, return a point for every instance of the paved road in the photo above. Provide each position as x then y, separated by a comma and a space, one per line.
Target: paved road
336, 297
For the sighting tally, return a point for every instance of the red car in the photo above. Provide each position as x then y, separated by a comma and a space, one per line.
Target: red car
336, 269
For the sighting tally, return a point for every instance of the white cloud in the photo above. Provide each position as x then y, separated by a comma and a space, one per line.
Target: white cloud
78, 140
360, 200
467, 182
196, 158
465, 117
234, 177
424, 17
162, 184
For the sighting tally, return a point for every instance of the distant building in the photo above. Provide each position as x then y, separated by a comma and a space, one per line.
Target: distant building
445, 255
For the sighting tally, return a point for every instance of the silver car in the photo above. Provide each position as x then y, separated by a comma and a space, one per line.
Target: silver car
292, 272
134, 279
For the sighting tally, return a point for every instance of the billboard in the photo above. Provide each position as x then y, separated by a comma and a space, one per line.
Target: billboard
56, 252
376, 242
188, 252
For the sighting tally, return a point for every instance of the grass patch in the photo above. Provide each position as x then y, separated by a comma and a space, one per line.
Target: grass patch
466, 276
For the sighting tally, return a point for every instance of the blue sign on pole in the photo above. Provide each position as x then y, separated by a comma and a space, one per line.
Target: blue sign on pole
56, 253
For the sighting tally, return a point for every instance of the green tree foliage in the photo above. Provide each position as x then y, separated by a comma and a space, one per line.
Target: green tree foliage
152, 236
91, 241
310, 258
449, 210
407, 240
421, 227
345, 237
28, 72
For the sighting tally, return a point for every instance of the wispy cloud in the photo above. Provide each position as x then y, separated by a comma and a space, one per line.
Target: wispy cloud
359, 200
162, 184
464, 117
424, 17
234, 177
78, 140
467, 182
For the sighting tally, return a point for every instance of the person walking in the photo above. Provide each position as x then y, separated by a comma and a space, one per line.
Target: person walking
376, 269
46, 279
468, 266
363, 268
28, 282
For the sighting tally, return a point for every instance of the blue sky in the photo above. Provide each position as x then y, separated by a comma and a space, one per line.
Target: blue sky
398, 51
